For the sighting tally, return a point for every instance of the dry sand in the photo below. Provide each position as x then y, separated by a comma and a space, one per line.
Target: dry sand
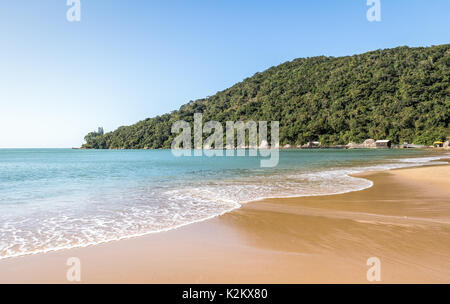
404, 220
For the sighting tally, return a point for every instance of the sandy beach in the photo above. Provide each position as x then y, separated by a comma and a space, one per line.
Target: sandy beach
404, 220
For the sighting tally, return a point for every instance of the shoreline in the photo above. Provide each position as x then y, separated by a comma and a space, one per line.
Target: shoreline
227, 234
363, 174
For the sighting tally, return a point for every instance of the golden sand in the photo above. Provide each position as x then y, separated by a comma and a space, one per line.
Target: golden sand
404, 220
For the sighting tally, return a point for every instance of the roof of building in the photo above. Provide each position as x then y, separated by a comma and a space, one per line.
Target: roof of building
438, 143
383, 141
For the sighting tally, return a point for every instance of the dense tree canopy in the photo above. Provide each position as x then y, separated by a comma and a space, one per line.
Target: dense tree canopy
401, 94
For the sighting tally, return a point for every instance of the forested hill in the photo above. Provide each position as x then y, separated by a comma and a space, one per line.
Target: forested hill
401, 94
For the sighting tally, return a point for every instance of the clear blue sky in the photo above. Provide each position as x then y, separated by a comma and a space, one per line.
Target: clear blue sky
132, 59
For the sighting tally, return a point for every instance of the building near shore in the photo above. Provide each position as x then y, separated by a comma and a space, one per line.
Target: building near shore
438, 144
385, 143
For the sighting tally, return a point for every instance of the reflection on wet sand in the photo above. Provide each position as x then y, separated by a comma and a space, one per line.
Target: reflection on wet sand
404, 223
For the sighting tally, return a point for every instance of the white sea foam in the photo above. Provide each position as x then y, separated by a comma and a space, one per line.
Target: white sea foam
141, 211
422, 160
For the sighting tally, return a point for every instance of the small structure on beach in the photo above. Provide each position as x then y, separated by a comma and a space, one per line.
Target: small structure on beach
438, 144
384, 143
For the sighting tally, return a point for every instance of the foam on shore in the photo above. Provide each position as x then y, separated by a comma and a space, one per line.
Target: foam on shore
148, 211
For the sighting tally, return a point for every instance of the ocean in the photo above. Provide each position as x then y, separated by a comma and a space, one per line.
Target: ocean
52, 199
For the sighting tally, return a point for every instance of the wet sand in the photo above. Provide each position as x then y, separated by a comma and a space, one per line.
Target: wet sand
404, 220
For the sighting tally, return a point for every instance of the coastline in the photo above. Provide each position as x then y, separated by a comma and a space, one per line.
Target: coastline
403, 219
352, 173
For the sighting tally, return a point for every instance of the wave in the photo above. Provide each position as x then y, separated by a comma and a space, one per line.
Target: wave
142, 211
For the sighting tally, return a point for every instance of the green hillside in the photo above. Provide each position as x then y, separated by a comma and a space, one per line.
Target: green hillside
401, 94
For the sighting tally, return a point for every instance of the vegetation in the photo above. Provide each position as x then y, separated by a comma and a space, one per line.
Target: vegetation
401, 94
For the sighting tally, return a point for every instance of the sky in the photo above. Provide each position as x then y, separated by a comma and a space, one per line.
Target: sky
127, 60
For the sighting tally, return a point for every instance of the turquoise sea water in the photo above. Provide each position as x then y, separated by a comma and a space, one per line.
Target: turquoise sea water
52, 199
